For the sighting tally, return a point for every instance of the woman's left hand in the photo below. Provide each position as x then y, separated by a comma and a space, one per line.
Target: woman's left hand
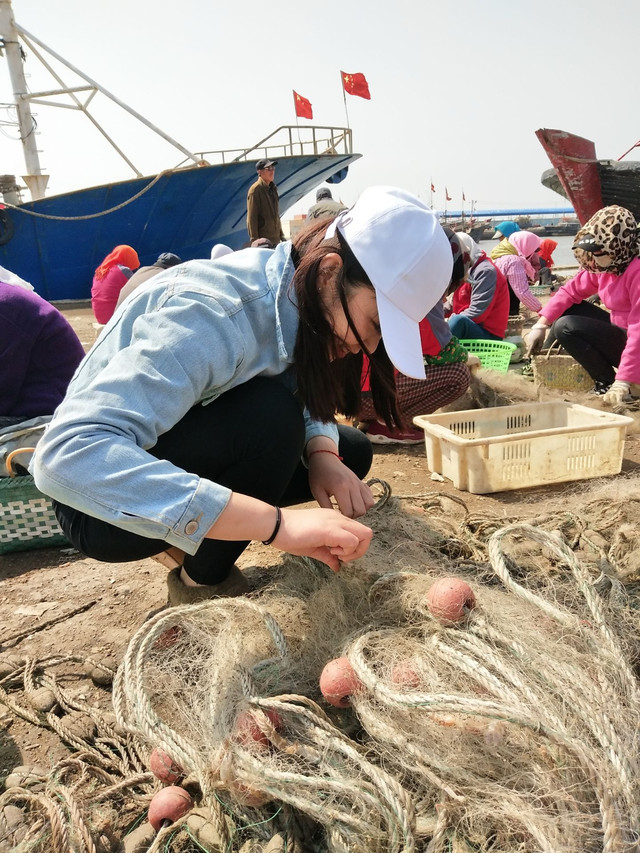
329, 478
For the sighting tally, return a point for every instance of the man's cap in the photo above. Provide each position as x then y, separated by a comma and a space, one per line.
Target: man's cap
401, 246
265, 164
323, 192
166, 260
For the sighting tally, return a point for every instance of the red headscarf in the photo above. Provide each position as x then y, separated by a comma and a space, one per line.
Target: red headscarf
547, 248
123, 255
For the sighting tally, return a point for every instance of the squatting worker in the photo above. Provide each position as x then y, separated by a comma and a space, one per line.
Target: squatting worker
605, 343
263, 205
208, 401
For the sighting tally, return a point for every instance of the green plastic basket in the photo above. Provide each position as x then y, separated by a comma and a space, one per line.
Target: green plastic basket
494, 355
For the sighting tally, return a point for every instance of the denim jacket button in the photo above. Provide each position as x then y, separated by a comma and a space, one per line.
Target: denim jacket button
191, 527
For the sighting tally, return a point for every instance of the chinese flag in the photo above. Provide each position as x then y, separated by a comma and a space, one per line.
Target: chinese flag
355, 84
433, 189
302, 105
463, 198
446, 192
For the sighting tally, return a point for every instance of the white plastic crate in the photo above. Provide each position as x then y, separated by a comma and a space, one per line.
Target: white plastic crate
529, 444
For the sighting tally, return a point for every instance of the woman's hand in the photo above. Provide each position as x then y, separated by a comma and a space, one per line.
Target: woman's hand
535, 339
329, 478
617, 395
323, 534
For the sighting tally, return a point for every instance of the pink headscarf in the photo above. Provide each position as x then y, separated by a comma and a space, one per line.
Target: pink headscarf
123, 255
526, 243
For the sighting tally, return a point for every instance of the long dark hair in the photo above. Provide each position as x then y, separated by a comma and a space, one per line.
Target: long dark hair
329, 386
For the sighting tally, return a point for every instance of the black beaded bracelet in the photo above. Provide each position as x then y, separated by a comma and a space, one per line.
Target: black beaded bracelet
276, 528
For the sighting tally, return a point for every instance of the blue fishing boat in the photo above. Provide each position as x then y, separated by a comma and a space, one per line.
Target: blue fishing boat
56, 242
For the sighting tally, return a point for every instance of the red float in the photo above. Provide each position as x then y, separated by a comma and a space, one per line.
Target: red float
169, 804
338, 681
450, 600
164, 767
248, 728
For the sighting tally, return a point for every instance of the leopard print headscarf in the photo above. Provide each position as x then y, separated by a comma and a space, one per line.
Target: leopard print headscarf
613, 229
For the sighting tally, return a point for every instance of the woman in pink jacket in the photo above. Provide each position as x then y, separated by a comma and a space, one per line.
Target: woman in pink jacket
605, 343
109, 279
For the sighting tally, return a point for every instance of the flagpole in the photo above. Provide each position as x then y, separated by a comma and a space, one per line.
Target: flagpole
462, 209
431, 193
344, 98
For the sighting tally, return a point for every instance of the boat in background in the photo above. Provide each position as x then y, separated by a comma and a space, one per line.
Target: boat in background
588, 182
57, 242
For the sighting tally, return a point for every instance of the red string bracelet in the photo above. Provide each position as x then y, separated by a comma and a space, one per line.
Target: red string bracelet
309, 455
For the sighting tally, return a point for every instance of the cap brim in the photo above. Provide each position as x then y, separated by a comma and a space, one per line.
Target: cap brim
401, 336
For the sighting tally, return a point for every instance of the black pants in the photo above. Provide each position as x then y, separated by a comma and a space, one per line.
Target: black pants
514, 303
587, 334
250, 439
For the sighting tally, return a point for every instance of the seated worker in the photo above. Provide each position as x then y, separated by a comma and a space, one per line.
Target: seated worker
547, 248
39, 352
109, 279
325, 205
605, 343
446, 378
480, 300
513, 259
164, 261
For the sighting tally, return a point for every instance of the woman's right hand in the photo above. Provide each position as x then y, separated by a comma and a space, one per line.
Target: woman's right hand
323, 534
535, 339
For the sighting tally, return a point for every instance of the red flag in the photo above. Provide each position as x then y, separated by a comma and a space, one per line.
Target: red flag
463, 198
446, 192
302, 105
355, 84
433, 189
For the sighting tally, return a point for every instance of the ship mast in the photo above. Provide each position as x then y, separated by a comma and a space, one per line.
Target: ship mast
35, 180
10, 32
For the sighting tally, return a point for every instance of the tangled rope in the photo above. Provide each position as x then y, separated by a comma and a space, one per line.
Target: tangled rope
512, 729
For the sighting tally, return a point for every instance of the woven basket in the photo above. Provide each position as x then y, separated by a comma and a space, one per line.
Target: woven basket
27, 519
560, 371
494, 355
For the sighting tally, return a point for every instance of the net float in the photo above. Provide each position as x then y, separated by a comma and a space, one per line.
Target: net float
404, 674
450, 599
164, 767
338, 681
169, 804
248, 729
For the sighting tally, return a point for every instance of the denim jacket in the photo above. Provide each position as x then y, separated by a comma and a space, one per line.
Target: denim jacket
184, 338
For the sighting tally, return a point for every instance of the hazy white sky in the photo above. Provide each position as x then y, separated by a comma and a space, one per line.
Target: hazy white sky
458, 87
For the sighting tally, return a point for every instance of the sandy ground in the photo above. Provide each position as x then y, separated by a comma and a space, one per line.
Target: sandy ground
54, 601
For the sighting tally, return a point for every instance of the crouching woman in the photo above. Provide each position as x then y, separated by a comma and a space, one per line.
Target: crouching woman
208, 402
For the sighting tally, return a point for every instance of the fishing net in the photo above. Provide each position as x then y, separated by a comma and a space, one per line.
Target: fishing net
513, 729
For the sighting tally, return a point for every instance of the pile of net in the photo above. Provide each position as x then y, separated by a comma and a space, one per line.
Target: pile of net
512, 725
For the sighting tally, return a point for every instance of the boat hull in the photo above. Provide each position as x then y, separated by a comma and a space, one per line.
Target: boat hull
185, 211
588, 183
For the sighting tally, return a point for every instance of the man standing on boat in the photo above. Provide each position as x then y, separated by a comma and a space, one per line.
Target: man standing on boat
263, 206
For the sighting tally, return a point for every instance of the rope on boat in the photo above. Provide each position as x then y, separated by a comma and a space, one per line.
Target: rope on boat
90, 215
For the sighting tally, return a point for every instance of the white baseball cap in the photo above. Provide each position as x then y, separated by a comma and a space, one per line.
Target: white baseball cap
401, 246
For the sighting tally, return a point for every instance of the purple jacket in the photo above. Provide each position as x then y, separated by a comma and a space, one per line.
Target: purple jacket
39, 352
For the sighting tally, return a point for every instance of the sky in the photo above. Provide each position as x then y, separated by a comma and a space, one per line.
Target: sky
458, 87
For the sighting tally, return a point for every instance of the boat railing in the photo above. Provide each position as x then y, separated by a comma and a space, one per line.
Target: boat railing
286, 141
